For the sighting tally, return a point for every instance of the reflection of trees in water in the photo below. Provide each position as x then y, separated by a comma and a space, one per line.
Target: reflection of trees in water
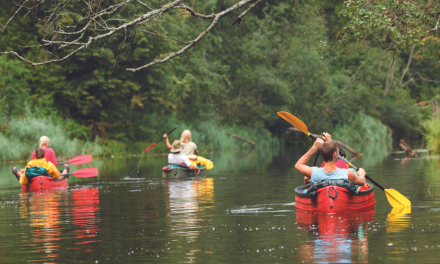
335, 238
44, 211
256, 158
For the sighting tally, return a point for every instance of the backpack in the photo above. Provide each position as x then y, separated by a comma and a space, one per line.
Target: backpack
35, 171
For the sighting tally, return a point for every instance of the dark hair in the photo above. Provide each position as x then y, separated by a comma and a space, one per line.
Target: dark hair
327, 150
39, 153
342, 152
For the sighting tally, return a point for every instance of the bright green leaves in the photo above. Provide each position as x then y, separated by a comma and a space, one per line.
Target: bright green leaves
397, 24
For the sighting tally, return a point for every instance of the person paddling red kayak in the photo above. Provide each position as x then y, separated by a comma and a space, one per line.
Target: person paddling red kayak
49, 154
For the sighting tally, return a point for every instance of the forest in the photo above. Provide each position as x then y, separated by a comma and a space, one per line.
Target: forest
304, 57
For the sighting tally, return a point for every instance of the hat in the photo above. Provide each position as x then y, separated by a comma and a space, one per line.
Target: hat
177, 146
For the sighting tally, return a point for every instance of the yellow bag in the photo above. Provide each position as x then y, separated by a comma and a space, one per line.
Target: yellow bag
202, 161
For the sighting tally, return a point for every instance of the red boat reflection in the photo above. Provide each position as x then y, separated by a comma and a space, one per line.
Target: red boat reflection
335, 238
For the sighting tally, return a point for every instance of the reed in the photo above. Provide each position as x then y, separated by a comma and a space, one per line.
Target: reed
22, 135
432, 135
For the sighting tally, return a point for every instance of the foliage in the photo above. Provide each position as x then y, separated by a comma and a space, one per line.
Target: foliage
23, 134
236, 79
399, 25
432, 135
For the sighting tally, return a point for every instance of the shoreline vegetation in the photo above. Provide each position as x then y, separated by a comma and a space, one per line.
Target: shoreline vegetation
91, 104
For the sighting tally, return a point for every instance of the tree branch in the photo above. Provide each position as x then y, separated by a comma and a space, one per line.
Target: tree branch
238, 19
217, 18
436, 26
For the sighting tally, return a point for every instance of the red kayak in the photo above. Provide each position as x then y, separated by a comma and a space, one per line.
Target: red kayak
44, 183
334, 200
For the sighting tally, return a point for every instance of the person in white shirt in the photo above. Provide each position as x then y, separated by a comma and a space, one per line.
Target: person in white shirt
177, 158
189, 147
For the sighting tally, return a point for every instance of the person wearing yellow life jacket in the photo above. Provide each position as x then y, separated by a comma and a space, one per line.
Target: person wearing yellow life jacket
39, 166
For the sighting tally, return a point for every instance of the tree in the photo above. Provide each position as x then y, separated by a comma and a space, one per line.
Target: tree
70, 27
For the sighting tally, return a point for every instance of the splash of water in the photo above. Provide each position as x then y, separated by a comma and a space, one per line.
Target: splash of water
137, 168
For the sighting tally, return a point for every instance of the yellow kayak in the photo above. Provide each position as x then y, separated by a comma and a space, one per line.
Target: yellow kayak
202, 161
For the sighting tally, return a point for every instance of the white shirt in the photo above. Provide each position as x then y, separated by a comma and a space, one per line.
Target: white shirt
188, 148
177, 159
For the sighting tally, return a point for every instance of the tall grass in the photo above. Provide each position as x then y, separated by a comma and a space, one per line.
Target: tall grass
23, 133
208, 135
363, 129
432, 135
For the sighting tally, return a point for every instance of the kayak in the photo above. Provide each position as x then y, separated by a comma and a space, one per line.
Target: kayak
173, 171
334, 199
44, 183
201, 161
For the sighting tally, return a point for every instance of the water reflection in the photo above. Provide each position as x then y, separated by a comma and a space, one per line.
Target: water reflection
189, 202
85, 216
49, 212
335, 238
42, 211
397, 221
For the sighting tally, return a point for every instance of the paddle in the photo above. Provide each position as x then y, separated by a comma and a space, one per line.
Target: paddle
394, 197
83, 173
154, 144
78, 160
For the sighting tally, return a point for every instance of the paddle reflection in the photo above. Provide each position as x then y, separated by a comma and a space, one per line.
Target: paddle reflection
398, 220
335, 238
85, 216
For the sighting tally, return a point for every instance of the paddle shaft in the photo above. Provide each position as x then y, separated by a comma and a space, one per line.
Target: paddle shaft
154, 144
353, 167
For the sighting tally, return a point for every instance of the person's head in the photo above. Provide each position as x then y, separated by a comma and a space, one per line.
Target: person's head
329, 151
342, 153
186, 136
177, 147
44, 141
39, 153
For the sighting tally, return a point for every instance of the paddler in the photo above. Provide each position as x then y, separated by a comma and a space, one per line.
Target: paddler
39, 167
189, 147
49, 154
329, 152
177, 158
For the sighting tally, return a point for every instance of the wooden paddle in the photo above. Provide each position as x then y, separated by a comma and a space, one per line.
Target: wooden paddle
78, 160
83, 173
154, 144
394, 197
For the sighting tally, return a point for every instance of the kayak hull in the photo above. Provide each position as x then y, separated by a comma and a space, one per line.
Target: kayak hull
181, 173
44, 183
336, 200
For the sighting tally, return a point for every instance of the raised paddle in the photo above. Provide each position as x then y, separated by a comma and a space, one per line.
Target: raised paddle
394, 197
78, 160
154, 144
83, 173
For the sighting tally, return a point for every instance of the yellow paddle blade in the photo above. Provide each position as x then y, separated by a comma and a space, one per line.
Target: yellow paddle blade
396, 199
294, 121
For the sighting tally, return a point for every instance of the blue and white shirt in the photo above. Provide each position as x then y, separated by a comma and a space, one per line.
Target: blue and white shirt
319, 174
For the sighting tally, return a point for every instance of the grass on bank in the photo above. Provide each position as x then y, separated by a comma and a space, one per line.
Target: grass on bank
20, 135
432, 135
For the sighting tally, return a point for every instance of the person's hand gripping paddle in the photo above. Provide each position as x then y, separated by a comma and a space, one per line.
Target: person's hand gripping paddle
154, 144
394, 197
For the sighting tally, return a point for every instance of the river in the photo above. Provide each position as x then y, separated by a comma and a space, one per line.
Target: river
242, 211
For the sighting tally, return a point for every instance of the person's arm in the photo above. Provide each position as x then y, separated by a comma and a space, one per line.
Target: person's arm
169, 146
358, 180
53, 158
301, 165
194, 168
53, 171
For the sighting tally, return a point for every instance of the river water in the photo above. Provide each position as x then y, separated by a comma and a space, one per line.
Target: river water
242, 211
